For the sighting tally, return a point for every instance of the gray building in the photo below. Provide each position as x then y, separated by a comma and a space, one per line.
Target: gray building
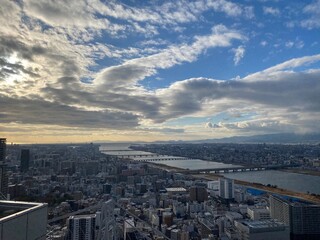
23, 220
82, 227
226, 188
3, 149
303, 219
262, 230
24, 160
3, 170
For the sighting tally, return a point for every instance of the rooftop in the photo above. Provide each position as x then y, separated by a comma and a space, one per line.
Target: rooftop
263, 225
12, 209
176, 189
83, 216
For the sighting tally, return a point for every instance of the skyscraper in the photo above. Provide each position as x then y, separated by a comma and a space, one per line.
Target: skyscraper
303, 219
226, 188
24, 160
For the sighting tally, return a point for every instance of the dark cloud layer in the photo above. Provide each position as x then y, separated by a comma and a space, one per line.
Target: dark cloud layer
26, 111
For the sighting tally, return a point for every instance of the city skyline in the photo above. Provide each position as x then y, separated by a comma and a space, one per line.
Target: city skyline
80, 71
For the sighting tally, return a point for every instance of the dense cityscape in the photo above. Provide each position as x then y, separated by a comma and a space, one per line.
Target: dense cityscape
83, 191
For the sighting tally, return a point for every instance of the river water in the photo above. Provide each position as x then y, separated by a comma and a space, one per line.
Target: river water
194, 164
291, 181
286, 180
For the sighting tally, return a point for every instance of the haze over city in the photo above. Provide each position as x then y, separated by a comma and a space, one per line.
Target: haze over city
79, 71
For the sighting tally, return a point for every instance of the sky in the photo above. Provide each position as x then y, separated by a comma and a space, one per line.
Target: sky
82, 71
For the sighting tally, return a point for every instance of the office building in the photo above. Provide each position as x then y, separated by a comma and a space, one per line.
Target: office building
2, 149
226, 188
258, 213
303, 219
24, 160
262, 230
81, 227
23, 220
199, 194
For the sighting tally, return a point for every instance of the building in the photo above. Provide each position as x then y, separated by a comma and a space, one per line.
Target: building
23, 220
105, 221
262, 230
24, 160
3, 181
3, 170
81, 227
258, 213
3, 149
226, 188
129, 229
303, 219
199, 194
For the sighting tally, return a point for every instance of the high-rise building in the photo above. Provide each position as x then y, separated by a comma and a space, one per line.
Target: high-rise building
81, 227
3, 170
303, 219
199, 194
105, 221
24, 160
3, 181
226, 188
3, 149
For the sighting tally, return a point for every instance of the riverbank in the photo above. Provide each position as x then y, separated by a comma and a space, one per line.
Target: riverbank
304, 196
302, 171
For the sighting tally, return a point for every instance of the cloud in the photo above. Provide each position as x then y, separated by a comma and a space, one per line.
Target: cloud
312, 9
132, 71
271, 11
59, 68
263, 43
27, 111
256, 126
67, 14
170, 13
238, 54
212, 125
287, 65
7, 69
291, 95
297, 44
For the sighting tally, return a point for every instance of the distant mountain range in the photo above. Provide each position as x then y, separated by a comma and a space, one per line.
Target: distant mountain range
290, 138
270, 138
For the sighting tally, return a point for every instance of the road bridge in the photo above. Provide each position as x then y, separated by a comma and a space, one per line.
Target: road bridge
230, 169
158, 158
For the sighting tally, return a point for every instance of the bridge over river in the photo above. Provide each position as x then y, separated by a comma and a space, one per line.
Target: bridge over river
230, 169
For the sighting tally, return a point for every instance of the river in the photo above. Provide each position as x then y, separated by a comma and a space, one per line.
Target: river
286, 180
291, 181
